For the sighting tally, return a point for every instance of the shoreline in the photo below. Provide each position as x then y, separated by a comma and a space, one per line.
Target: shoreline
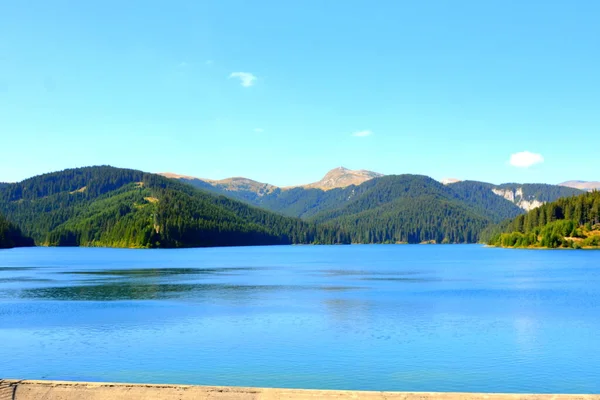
66, 390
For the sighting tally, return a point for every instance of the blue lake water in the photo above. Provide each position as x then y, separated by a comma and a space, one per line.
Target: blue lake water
380, 317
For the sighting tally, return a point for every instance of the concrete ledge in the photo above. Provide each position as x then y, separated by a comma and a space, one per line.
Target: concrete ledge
59, 390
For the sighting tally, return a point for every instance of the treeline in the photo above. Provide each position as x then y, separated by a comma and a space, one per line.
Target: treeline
105, 206
406, 209
114, 207
571, 222
11, 236
415, 220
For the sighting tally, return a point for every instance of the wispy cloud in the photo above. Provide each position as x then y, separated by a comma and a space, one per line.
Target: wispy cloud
363, 133
208, 62
525, 159
246, 78
183, 64
258, 130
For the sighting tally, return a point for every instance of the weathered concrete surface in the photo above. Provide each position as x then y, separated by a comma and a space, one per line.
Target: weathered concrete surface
56, 390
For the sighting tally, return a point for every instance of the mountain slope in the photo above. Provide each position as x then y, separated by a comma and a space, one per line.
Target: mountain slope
582, 185
484, 200
407, 208
342, 177
106, 206
531, 195
11, 236
257, 193
571, 222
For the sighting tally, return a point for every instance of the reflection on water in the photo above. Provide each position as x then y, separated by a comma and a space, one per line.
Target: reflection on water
153, 291
161, 272
415, 318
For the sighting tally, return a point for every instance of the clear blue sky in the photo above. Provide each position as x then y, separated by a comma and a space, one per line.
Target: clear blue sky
446, 88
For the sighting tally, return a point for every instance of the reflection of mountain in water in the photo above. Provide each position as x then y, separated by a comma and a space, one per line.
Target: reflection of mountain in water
155, 291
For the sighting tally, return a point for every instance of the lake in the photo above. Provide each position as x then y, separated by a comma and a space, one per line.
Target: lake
366, 317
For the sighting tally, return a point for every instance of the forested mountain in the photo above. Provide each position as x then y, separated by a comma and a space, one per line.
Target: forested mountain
494, 201
481, 197
106, 206
571, 222
408, 209
305, 203
11, 236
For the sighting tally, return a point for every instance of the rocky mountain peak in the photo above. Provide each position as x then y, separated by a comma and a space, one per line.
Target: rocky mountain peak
341, 177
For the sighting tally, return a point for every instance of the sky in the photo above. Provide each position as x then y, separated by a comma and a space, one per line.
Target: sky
283, 91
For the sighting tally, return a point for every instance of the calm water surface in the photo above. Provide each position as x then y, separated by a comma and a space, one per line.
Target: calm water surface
414, 318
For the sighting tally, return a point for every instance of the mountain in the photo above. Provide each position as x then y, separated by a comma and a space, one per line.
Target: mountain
526, 196
482, 202
342, 177
308, 200
11, 236
238, 188
570, 222
482, 197
407, 209
251, 191
113, 207
582, 185
106, 206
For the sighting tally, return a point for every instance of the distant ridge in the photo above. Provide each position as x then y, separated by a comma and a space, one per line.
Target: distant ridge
582, 185
336, 178
342, 177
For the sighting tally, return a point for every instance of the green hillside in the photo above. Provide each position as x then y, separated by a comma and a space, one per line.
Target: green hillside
480, 196
571, 222
11, 236
407, 209
106, 206
306, 203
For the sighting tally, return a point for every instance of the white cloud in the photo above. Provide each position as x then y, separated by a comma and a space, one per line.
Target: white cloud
525, 159
363, 133
208, 62
259, 130
246, 78
183, 64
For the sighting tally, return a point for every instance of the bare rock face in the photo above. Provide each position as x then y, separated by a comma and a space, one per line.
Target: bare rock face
583, 185
448, 181
342, 177
517, 197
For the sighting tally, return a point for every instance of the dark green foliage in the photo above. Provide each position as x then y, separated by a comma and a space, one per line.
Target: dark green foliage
409, 209
11, 236
105, 206
294, 202
413, 208
305, 203
556, 224
479, 195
